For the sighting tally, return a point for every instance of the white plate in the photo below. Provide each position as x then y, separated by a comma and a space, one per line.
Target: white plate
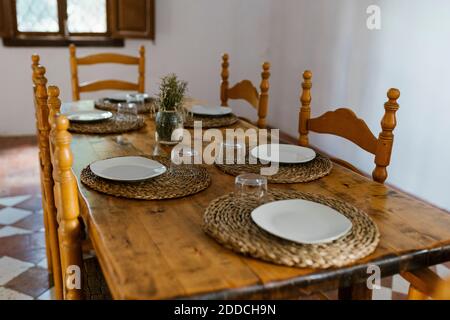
123, 96
283, 153
301, 221
88, 116
127, 168
210, 111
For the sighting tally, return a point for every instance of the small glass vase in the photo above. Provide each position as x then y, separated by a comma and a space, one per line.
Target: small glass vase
169, 127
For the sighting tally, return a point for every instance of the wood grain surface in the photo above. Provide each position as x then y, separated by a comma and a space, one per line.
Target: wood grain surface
157, 249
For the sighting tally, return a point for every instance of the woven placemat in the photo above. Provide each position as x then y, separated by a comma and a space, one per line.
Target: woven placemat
315, 169
211, 122
106, 104
184, 180
119, 123
228, 221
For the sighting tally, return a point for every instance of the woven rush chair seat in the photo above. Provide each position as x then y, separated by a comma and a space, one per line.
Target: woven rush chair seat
94, 283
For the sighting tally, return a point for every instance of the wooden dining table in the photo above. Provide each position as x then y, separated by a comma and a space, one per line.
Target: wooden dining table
158, 250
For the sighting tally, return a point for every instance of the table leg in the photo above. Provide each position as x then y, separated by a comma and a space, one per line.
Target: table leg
355, 292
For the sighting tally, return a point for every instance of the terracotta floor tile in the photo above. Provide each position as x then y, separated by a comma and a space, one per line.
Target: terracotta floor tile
19, 170
33, 282
34, 204
399, 296
33, 222
30, 247
386, 282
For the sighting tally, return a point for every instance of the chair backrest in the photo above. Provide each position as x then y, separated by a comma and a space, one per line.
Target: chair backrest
343, 122
46, 171
75, 61
245, 90
66, 201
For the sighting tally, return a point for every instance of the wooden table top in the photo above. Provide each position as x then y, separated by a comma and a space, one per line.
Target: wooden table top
157, 249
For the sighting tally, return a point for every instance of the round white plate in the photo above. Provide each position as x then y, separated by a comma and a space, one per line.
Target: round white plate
123, 96
283, 153
127, 168
301, 221
89, 116
211, 111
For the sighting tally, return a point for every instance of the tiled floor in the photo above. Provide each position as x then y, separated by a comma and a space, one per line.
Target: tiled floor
23, 267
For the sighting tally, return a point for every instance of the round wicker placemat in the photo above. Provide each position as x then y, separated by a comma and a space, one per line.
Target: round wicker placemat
228, 221
183, 180
105, 104
211, 122
117, 124
287, 173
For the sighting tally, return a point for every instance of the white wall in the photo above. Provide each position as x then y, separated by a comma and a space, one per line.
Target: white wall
191, 37
351, 66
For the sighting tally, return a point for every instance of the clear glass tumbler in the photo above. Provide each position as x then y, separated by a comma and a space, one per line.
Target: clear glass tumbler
250, 186
137, 98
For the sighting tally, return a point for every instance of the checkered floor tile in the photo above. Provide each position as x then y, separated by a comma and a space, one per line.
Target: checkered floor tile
23, 266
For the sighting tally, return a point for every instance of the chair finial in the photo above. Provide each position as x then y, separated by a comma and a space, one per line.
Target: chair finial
307, 75
393, 94
53, 91
35, 59
62, 123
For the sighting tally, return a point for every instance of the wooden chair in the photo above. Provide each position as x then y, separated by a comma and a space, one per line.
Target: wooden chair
57, 221
77, 88
46, 171
425, 285
70, 227
246, 91
343, 122
66, 200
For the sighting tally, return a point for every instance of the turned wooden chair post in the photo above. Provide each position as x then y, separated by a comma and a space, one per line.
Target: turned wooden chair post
74, 73
34, 77
224, 84
343, 122
264, 96
66, 192
245, 90
50, 215
141, 80
305, 110
386, 137
35, 63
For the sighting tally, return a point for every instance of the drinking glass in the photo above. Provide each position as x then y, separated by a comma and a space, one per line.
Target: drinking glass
231, 153
137, 98
125, 110
183, 155
250, 186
